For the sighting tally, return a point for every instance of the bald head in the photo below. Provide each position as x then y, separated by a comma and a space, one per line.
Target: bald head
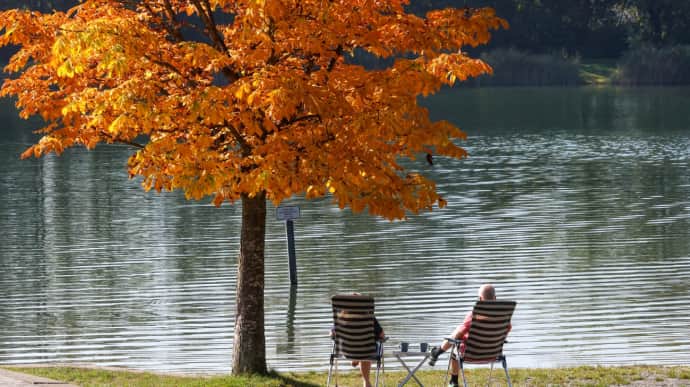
487, 292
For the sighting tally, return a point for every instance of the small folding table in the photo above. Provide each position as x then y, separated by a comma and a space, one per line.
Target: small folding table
422, 356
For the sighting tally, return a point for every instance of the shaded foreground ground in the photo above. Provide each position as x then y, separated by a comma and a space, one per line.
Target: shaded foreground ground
578, 376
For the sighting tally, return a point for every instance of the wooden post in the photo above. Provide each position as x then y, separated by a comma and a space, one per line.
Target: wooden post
292, 259
288, 213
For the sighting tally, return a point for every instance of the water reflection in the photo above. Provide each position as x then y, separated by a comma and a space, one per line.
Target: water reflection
574, 202
290, 346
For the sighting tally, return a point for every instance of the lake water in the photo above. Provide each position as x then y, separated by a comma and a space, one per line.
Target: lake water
574, 202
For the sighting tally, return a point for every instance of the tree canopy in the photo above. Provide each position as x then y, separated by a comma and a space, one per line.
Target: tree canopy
288, 107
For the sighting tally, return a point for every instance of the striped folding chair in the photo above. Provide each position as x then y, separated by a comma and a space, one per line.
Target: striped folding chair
488, 332
353, 333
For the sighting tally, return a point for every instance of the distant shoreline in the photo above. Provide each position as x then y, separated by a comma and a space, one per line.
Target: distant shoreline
644, 66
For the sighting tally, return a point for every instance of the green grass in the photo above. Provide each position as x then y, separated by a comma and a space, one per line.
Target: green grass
575, 376
109, 377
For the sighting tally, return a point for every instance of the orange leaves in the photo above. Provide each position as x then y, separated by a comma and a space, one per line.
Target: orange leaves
456, 28
47, 144
449, 68
263, 98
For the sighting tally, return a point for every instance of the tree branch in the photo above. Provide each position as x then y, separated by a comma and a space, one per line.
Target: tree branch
303, 118
113, 139
170, 24
210, 24
246, 148
167, 65
331, 63
213, 33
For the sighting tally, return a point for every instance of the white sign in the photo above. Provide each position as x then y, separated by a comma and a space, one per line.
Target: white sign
287, 213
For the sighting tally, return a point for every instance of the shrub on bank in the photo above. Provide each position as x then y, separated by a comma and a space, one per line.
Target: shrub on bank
518, 68
654, 66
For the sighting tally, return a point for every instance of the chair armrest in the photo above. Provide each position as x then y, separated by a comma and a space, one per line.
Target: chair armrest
453, 341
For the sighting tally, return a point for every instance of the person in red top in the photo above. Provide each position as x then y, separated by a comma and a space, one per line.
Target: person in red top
486, 292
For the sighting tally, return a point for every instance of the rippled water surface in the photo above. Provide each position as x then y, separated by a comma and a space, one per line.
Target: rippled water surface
575, 203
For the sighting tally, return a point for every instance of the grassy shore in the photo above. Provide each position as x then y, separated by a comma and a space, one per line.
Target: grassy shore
577, 376
601, 72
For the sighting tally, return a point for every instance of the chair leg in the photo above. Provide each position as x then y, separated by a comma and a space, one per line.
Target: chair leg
330, 370
450, 359
505, 367
491, 371
380, 365
462, 371
336, 372
383, 371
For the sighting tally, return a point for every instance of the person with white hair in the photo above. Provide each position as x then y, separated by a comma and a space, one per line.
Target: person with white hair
486, 293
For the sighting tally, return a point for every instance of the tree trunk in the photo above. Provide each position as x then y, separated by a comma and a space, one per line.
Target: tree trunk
249, 346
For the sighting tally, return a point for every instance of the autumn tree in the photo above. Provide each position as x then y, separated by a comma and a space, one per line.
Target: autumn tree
249, 101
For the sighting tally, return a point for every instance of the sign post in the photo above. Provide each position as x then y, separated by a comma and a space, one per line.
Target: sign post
288, 214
